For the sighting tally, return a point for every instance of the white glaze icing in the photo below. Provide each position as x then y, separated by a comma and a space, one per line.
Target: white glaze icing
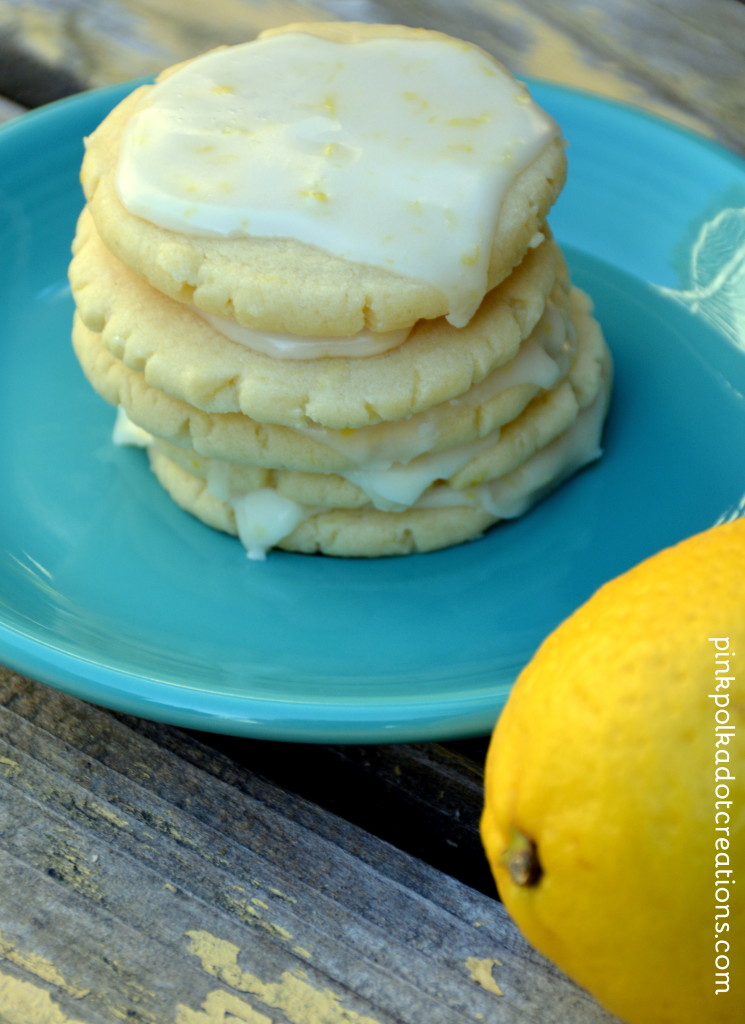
390, 152
263, 518
394, 487
293, 346
265, 514
128, 434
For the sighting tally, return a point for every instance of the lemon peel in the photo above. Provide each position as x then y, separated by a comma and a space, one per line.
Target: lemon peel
614, 813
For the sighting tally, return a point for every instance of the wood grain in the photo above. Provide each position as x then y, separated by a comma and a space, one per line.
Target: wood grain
148, 877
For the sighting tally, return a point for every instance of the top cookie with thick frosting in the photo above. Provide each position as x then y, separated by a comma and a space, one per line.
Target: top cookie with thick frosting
327, 178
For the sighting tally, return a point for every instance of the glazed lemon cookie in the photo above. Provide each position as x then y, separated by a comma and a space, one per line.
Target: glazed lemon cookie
260, 183
394, 486
168, 339
542, 361
497, 476
266, 518
358, 533
337, 325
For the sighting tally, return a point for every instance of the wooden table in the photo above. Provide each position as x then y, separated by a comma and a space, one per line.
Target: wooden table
150, 874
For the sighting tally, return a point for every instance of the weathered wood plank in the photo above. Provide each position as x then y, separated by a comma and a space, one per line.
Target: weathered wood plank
424, 798
140, 885
682, 58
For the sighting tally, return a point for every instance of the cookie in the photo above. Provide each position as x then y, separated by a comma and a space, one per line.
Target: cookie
267, 518
589, 381
360, 533
510, 470
184, 356
338, 326
412, 207
542, 360
463, 465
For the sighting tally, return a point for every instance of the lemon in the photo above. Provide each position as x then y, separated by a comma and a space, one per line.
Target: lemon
614, 815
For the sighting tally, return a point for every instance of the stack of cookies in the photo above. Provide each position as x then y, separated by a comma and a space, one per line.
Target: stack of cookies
314, 274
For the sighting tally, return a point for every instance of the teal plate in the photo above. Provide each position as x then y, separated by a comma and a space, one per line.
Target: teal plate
112, 593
